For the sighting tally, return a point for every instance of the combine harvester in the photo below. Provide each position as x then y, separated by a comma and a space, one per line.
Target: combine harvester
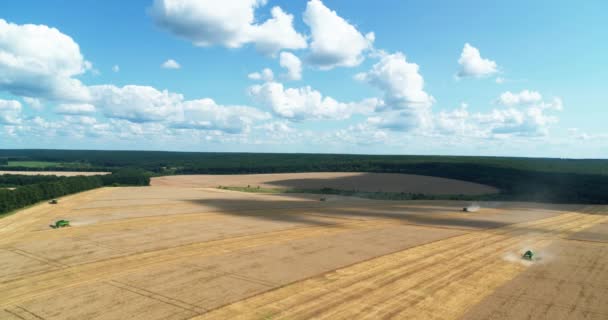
471, 208
528, 255
54, 201
60, 224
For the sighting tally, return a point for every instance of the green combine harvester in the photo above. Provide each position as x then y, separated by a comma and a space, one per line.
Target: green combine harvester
528, 255
60, 224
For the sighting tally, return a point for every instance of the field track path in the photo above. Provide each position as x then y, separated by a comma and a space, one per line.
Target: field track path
440, 280
31, 286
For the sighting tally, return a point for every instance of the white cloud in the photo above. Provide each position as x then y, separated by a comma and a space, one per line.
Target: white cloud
10, 112
405, 120
522, 98
532, 121
473, 65
135, 103
229, 23
80, 120
147, 106
170, 64
293, 65
277, 127
34, 103
401, 82
205, 114
335, 42
500, 80
457, 122
306, 103
40, 62
555, 104
277, 33
363, 134
266, 75
577, 134
529, 98
116, 68
75, 109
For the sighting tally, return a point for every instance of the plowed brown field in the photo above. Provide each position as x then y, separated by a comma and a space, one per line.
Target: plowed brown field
176, 251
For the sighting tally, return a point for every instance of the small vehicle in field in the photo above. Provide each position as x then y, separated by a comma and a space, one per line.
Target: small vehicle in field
323, 199
60, 224
54, 201
528, 255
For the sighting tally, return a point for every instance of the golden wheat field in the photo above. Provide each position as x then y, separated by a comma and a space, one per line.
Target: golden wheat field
182, 249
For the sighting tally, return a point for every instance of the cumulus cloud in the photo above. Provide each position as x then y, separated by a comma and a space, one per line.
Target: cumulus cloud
524, 115
277, 33
34, 103
265, 75
229, 23
530, 122
306, 103
205, 114
135, 103
39, 61
75, 108
148, 105
457, 122
401, 82
404, 120
10, 112
170, 64
473, 65
522, 98
335, 42
363, 134
293, 64
529, 98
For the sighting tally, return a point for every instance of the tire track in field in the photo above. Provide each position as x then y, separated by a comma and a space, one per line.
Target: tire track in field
28, 287
439, 280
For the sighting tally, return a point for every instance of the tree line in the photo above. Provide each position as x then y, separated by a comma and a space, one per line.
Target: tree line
526, 179
49, 187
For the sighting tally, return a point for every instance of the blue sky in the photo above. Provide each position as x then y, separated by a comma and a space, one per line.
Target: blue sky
515, 78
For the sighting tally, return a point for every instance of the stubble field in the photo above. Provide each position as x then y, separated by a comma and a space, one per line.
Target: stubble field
182, 249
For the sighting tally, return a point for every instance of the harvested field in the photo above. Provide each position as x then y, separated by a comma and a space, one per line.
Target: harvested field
369, 182
189, 252
55, 173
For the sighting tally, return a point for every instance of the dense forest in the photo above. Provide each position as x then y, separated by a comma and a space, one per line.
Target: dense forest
32, 189
529, 179
192, 162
